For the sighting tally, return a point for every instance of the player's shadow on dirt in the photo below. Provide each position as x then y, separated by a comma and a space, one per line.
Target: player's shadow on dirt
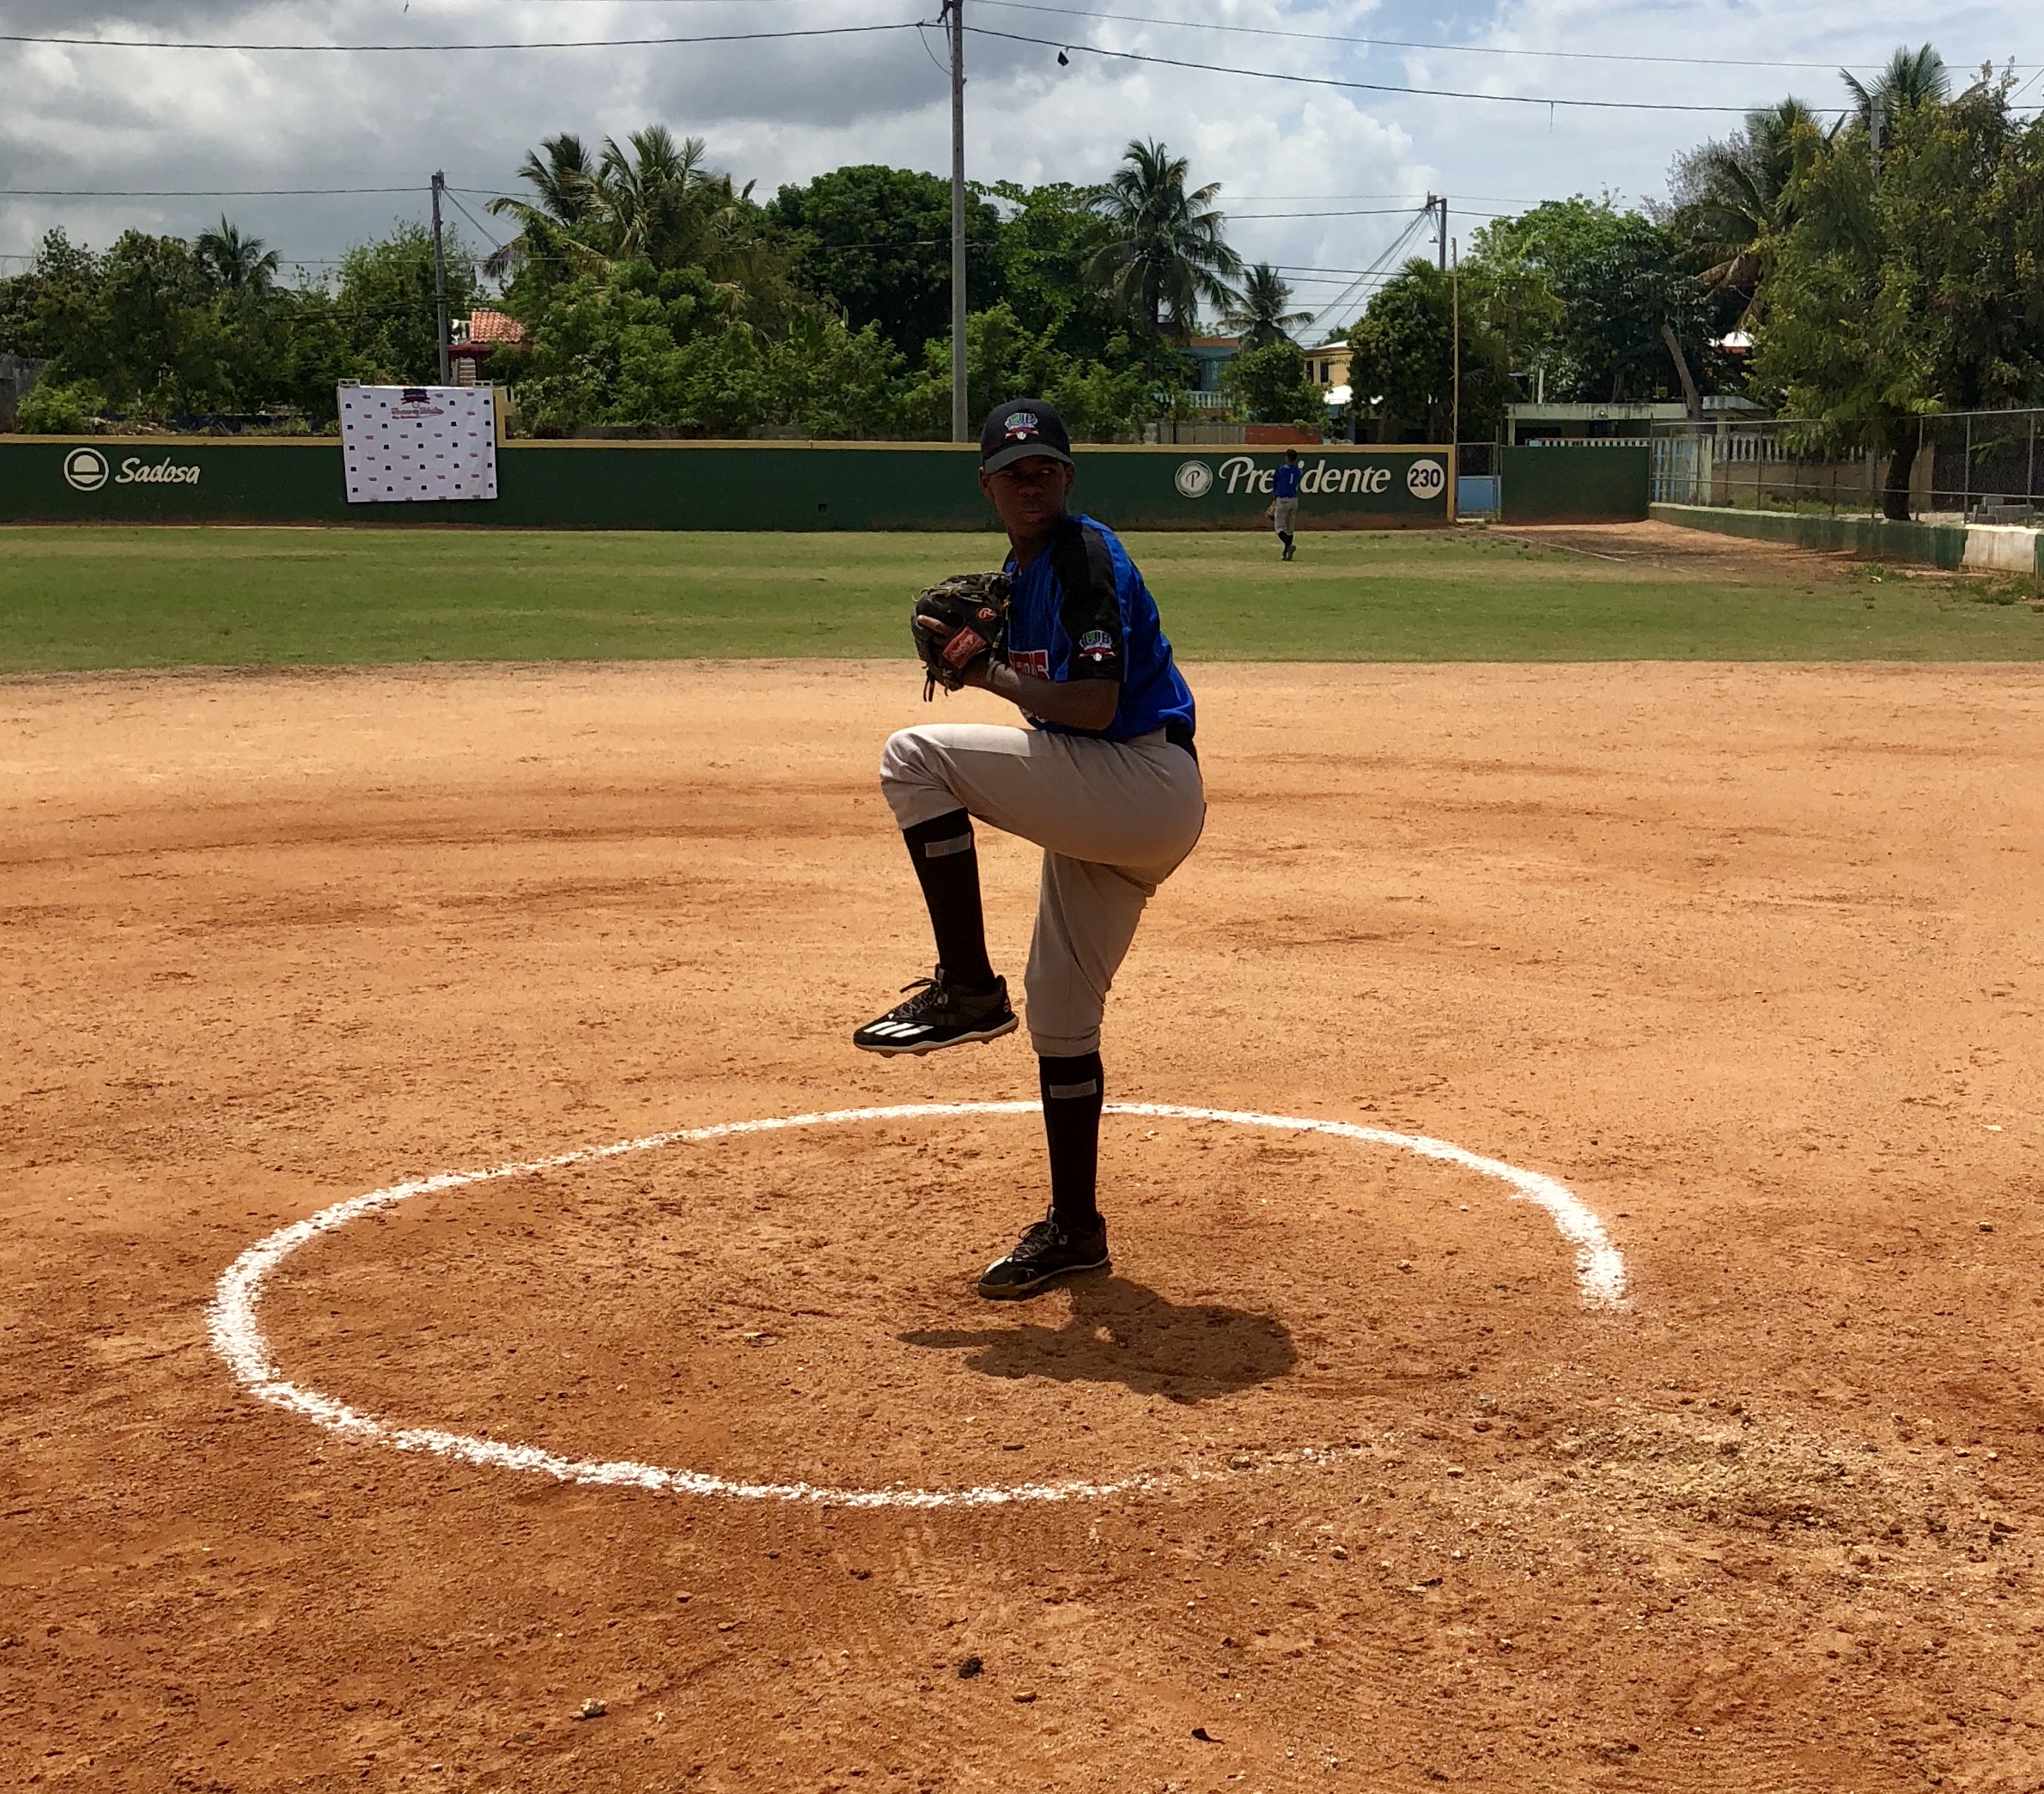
1119, 1332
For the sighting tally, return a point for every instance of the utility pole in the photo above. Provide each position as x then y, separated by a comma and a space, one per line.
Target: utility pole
1874, 122
1440, 205
1455, 378
439, 277
961, 425
1455, 348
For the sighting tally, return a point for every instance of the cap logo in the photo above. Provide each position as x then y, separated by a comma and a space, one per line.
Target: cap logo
1021, 423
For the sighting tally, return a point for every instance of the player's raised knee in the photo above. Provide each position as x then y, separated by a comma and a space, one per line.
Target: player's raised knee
903, 761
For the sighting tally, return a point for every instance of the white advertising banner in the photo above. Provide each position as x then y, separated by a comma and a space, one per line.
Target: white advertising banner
403, 444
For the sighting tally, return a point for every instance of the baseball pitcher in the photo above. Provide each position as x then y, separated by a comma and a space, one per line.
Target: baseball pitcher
1102, 775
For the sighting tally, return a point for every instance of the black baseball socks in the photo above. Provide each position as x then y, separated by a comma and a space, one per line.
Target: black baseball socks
947, 868
1071, 1098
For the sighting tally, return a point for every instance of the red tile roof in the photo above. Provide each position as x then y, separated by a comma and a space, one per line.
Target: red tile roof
485, 325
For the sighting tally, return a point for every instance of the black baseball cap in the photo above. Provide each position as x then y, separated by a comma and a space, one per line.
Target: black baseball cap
1019, 430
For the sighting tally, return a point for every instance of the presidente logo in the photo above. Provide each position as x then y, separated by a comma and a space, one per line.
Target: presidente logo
1195, 479
86, 470
1242, 475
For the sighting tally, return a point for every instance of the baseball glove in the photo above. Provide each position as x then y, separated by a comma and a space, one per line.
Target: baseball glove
955, 624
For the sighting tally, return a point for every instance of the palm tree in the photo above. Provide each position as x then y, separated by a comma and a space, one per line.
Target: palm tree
1260, 314
1737, 199
565, 182
1169, 251
239, 264
1912, 78
664, 202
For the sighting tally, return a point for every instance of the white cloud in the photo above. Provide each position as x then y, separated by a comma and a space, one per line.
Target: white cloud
782, 110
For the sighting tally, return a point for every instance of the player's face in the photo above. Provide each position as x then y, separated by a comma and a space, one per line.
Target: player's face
1029, 493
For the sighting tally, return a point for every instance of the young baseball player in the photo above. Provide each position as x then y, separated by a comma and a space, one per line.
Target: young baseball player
1284, 504
1102, 776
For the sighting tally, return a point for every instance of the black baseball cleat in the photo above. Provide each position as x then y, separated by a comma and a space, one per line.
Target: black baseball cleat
1047, 1251
940, 1014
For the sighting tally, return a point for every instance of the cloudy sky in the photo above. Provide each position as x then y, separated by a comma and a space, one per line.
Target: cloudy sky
1318, 178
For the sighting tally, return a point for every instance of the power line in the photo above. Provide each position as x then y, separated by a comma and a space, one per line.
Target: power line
488, 236
201, 193
1365, 87
1382, 211
711, 37
1330, 37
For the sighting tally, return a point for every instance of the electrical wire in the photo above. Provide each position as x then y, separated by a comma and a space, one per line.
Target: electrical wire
199, 192
494, 242
1386, 211
1364, 87
1346, 299
711, 37
1330, 37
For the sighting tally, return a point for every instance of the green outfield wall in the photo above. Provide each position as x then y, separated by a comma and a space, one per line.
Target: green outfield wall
1573, 486
706, 486
1931, 544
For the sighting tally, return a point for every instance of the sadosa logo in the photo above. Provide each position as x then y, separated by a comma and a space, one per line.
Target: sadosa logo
86, 470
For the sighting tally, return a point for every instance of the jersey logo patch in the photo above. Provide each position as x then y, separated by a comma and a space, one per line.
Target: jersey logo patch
1096, 645
1034, 661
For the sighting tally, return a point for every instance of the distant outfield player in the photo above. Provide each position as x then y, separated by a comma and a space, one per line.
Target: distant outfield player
1284, 507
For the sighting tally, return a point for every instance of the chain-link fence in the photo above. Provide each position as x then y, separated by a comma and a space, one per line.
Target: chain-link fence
1957, 467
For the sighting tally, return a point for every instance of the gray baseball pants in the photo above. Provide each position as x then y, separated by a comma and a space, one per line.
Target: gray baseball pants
1114, 819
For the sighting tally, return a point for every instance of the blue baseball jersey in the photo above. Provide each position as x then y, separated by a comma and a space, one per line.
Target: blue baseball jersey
1286, 483
1080, 611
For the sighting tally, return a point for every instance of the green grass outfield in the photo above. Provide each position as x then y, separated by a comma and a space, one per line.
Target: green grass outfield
75, 600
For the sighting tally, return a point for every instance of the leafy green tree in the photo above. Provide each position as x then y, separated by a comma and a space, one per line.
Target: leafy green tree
1261, 314
139, 323
1048, 236
1100, 400
1403, 364
379, 325
1169, 251
1521, 263
876, 242
647, 346
1912, 289
1594, 295
1269, 383
36, 306
59, 408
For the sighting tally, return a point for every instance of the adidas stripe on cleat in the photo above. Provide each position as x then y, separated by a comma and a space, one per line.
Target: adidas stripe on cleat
940, 1014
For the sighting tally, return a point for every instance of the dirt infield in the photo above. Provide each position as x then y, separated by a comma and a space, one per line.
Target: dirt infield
1747, 957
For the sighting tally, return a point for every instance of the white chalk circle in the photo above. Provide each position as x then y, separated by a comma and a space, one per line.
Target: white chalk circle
237, 1335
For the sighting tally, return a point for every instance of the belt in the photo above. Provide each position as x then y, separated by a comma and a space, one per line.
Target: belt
1179, 735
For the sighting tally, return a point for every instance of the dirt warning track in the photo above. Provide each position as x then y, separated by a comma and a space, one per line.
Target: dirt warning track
1745, 960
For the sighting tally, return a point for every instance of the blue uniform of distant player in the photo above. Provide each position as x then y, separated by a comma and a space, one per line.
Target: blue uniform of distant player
1104, 778
1284, 504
